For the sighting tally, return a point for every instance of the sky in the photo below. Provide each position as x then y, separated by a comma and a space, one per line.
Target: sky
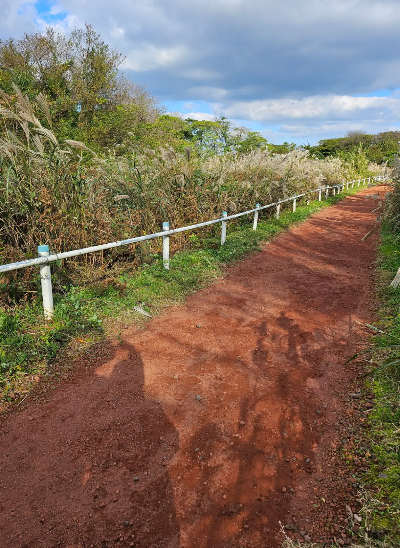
294, 71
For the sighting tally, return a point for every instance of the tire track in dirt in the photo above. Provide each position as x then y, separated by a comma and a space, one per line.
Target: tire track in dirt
209, 426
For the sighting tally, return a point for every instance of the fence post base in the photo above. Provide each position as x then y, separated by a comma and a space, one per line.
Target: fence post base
165, 227
47, 287
256, 217
223, 228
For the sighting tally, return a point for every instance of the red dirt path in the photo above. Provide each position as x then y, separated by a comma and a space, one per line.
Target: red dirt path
123, 454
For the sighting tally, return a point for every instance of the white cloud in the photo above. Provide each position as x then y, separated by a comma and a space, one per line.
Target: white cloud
64, 25
342, 107
199, 116
17, 17
117, 32
147, 57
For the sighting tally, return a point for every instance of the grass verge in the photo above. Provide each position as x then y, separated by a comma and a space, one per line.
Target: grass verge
28, 345
381, 510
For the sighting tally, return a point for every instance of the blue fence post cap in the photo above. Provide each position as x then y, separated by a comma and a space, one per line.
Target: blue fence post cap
165, 225
224, 213
257, 205
43, 248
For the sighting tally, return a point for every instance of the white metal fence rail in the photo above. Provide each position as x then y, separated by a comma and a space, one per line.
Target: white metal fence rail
45, 257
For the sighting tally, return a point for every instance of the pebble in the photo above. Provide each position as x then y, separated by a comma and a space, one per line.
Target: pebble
283, 489
307, 538
126, 523
198, 397
198, 325
135, 478
358, 518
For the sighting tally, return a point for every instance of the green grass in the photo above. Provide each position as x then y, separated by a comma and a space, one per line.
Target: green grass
85, 314
382, 499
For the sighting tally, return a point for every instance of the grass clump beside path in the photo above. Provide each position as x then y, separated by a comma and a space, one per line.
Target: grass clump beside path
382, 498
83, 315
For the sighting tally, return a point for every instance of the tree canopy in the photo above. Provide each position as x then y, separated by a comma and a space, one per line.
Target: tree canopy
378, 148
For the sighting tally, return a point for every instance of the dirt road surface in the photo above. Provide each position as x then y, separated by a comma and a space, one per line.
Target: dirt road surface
214, 423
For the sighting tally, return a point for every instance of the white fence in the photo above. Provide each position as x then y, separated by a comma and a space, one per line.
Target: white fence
45, 257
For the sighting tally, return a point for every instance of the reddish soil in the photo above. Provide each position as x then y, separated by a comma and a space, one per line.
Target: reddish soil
214, 423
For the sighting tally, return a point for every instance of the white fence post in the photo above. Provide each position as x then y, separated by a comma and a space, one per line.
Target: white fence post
294, 205
256, 217
327, 192
165, 227
278, 210
319, 194
223, 228
47, 288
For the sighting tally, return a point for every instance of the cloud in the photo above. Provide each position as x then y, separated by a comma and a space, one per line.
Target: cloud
199, 116
147, 57
252, 50
17, 17
333, 107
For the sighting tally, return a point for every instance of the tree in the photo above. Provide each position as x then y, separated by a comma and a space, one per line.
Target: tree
220, 136
79, 75
284, 148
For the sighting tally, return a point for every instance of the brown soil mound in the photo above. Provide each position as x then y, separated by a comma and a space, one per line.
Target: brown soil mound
213, 424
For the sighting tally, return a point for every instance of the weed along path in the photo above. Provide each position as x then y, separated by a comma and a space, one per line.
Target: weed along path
214, 423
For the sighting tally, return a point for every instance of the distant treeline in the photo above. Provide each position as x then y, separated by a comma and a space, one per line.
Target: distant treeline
379, 148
